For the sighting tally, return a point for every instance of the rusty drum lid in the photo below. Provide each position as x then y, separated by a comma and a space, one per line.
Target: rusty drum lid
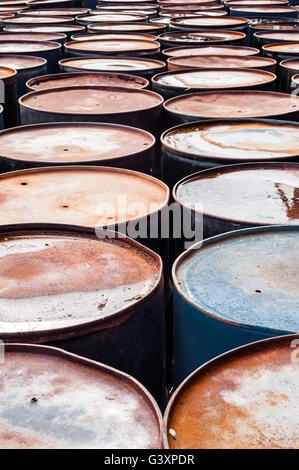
233, 104
15, 47
60, 400
249, 194
85, 78
223, 61
21, 62
91, 100
61, 143
112, 46
6, 72
209, 22
235, 140
210, 50
113, 64
214, 79
244, 399
6, 36
288, 48
58, 194
56, 281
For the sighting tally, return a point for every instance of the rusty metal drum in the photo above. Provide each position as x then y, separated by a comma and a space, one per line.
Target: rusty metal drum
253, 388
269, 37
118, 105
8, 98
68, 30
134, 66
226, 61
54, 144
281, 51
39, 21
295, 83
116, 18
233, 289
95, 315
264, 11
194, 38
49, 50
26, 67
197, 23
85, 78
119, 412
128, 27
18, 36
201, 145
241, 196
92, 36
236, 51
113, 47
56, 12
231, 104
287, 69
174, 83
270, 24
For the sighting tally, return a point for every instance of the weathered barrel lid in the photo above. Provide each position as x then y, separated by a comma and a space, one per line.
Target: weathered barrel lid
291, 26
208, 22
57, 12
289, 36
289, 48
15, 47
99, 36
71, 143
295, 79
112, 410
112, 64
235, 140
112, 18
201, 37
153, 6
247, 278
187, 13
126, 27
45, 29
6, 36
267, 193
30, 20
255, 2
91, 99
86, 78
221, 61
244, 399
264, 9
73, 276
213, 79
6, 72
233, 104
61, 400
210, 50
21, 62
108, 46
290, 64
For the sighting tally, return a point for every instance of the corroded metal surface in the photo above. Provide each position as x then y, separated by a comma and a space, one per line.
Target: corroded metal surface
247, 398
64, 401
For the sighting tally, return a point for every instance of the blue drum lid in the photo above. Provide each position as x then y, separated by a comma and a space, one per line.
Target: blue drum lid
249, 277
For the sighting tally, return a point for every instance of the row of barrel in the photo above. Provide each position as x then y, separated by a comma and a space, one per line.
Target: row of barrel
86, 242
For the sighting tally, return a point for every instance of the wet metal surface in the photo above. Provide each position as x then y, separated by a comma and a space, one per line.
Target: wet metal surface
51, 399
246, 399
